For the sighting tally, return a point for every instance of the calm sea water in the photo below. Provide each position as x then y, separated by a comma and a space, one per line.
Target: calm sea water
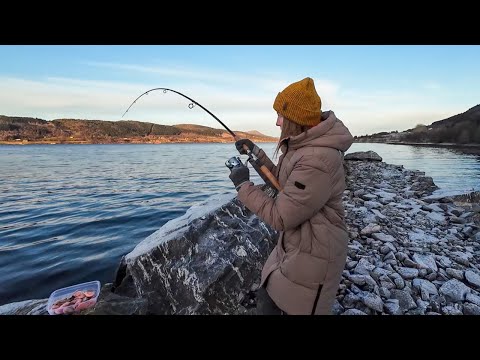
68, 213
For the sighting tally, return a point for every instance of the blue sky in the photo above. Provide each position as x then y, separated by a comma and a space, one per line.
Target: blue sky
370, 88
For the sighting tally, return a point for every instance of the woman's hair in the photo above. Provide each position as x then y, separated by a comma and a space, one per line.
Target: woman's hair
289, 129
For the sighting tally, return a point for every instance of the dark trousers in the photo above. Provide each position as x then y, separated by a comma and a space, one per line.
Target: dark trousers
265, 304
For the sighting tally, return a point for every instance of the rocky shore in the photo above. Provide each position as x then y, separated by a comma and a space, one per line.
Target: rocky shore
410, 253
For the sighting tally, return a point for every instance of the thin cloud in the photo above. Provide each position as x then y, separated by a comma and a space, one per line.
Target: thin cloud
241, 108
432, 86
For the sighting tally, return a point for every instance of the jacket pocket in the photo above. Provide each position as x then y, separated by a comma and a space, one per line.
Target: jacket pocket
305, 269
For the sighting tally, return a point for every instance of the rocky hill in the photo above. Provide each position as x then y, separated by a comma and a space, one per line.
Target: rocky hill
460, 129
21, 130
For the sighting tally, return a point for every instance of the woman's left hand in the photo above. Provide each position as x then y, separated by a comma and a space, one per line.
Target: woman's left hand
239, 175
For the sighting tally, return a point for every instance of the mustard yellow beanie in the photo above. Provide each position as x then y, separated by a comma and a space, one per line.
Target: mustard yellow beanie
300, 103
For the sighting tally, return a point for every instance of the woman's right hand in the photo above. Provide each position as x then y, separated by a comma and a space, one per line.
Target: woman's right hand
250, 145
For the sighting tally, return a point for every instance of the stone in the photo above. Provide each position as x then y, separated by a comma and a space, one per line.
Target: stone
363, 156
202, 263
454, 290
472, 278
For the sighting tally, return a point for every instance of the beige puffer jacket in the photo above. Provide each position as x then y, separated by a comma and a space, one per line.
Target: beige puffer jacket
305, 268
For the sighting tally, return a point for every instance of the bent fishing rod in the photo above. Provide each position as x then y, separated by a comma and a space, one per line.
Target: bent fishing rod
261, 169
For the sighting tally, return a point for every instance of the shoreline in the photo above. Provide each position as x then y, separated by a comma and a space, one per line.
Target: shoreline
466, 148
127, 143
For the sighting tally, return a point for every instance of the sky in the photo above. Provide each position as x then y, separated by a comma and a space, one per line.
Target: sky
370, 88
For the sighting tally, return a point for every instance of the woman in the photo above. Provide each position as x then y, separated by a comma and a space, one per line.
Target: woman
302, 274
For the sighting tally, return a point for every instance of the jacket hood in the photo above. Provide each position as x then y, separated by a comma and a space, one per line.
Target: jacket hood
331, 132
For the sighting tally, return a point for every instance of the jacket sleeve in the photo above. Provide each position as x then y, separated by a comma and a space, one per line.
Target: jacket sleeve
263, 157
306, 191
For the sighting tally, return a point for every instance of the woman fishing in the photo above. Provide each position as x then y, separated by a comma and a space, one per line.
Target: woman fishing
302, 273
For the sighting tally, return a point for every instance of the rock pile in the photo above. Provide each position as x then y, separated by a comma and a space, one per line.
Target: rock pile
410, 252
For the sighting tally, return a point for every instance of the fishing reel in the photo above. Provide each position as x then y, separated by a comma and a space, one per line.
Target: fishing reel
234, 161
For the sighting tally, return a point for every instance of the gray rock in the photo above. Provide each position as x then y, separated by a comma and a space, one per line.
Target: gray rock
373, 205
472, 278
363, 156
425, 261
378, 272
370, 228
378, 214
407, 273
454, 290
457, 274
433, 207
474, 299
337, 308
373, 301
109, 303
443, 261
384, 292
202, 263
392, 307
409, 263
432, 276
27, 307
371, 283
468, 231
383, 237
353, 312
461, 258
420, 309
385, 250
452, 310
437, 302
425, 286
357, 279
389, 256
405, 300
437, 217
369, 197
364, 267
457, 220
398, 280
471, 309
422, 272
467, 215
350, 300
351, 264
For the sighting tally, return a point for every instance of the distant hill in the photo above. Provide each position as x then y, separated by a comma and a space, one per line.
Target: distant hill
33, 130
255, 132
460, 129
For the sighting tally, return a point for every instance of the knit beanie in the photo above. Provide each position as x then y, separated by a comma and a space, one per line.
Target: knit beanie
300, 103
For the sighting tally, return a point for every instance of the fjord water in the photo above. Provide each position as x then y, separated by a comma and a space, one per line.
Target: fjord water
68, 213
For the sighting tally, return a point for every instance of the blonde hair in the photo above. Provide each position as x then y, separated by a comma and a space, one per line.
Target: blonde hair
289, 129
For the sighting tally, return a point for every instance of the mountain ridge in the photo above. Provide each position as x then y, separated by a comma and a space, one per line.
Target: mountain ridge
14, 130
459, 129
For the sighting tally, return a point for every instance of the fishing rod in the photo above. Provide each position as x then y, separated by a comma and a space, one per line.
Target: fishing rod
261, 169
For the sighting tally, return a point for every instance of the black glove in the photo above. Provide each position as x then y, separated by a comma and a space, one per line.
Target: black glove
251, 146
239, 175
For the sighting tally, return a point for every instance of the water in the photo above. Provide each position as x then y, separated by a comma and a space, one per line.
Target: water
453, 171
68, 213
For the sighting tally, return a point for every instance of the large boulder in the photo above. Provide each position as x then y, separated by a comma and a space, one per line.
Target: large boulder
363, 156
208, 261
